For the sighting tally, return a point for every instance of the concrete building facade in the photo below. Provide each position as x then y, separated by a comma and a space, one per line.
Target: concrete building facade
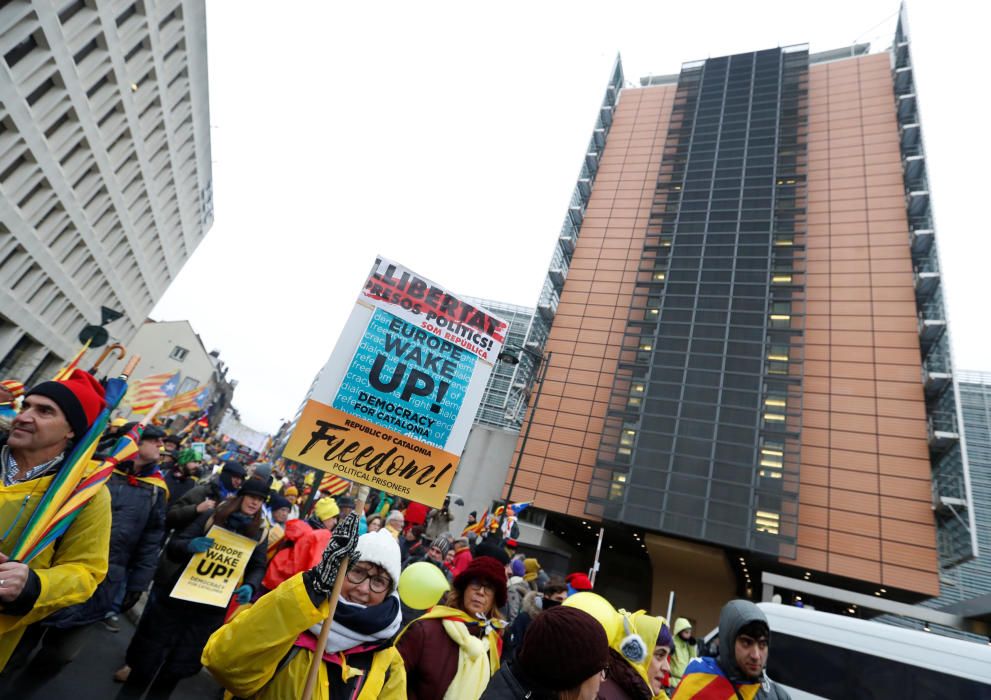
749, 357
105, 167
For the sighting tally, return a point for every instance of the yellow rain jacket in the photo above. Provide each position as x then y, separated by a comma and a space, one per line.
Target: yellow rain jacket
70, 571
245, 654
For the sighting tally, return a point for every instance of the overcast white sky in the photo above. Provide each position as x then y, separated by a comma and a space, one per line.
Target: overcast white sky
448, 136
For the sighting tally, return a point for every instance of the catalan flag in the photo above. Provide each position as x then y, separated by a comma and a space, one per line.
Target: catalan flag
704, 680
334, 485
149, 391
187, 401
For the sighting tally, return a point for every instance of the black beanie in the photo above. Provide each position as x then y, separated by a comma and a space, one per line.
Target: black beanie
563, 647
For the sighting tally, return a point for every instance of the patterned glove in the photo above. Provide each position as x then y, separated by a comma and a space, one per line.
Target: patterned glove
343, 543
198, 545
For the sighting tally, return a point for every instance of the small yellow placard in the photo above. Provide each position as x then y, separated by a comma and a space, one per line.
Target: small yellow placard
211, 577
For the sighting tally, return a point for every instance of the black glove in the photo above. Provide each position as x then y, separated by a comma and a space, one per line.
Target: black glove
130, 599
343, 543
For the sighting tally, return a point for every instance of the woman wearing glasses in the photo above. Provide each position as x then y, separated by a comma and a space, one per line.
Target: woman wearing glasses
452, 650
266, 651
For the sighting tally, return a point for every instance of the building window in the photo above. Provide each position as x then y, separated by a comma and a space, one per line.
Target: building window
179, 353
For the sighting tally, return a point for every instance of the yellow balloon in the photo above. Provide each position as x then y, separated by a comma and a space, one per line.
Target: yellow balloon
421, 585
602, 610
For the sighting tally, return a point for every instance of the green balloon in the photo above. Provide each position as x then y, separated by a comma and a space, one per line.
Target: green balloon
421, 585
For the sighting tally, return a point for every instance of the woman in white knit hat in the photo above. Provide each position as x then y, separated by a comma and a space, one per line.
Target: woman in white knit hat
266, 651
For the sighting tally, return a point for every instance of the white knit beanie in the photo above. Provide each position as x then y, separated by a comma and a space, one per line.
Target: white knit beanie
381, 549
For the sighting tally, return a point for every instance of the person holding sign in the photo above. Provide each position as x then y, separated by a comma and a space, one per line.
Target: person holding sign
453, 649
265, 652
173, 631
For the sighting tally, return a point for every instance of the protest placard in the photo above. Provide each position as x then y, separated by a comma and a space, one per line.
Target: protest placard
211, 577
393, 406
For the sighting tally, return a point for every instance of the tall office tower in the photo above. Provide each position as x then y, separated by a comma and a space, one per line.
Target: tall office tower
105, 170
748, 360
505, 394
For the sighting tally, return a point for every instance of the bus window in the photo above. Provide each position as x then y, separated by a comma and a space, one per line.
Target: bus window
835, 672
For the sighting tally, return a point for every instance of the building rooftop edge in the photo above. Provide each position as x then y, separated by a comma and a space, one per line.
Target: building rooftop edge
852, 51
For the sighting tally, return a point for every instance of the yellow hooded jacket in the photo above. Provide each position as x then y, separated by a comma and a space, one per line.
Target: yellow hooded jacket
648, 627
69, 571
244, 655
683, 651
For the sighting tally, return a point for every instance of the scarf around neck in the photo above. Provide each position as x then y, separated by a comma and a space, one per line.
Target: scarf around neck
356, 624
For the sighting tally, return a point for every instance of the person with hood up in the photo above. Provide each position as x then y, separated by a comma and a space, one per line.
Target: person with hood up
564, 657
534, 604
684, 649
302, 545
172, 633
205, 496
265, 652
183, 477
738, 671
656, 668
53, 415
452, 651
629, 653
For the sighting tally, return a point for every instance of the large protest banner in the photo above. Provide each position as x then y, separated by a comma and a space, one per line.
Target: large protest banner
211, 577
395, 402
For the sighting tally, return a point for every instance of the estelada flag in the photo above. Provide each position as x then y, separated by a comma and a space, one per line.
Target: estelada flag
704, 680
192, 400
146, 393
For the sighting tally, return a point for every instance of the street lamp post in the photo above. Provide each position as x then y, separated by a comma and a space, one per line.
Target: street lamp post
543, 362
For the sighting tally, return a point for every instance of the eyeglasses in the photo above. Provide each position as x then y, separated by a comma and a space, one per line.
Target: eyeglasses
378, 583
483, 586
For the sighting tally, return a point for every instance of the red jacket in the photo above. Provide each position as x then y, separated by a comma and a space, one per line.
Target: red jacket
300, 549
462, 558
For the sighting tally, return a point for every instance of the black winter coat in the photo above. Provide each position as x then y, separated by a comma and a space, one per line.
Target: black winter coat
511, 683
179, 486
182, 512
137, 527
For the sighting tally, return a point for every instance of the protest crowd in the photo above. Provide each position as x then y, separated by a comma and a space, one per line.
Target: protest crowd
428, 605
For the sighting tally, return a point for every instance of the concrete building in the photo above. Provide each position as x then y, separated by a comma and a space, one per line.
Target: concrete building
173, 346
750, 364
105, 168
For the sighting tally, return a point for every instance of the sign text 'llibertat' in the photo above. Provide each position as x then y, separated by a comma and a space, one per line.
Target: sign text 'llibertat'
419, 296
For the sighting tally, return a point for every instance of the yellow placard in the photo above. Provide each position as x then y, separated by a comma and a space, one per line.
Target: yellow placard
361, 451
211, 577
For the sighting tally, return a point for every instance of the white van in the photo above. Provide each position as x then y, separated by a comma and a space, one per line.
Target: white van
822, 655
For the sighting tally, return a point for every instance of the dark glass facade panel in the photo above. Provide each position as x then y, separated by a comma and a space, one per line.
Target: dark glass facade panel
701, 439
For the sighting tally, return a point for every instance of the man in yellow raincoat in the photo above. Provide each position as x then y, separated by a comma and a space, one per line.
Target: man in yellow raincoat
265, 652
52, 416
